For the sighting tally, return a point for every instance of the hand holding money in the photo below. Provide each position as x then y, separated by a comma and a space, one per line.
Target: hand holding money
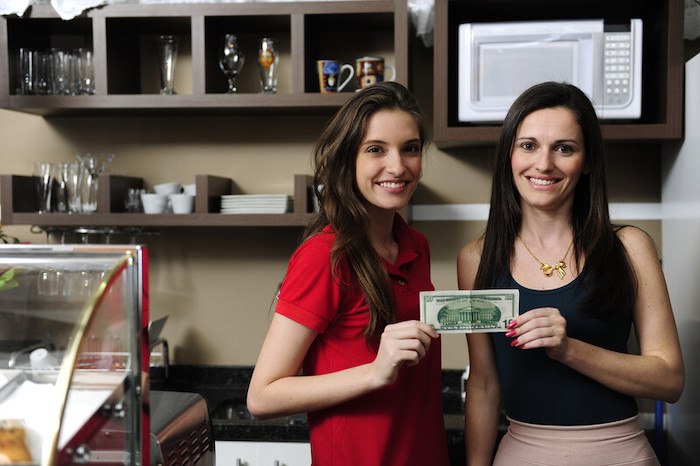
469, 311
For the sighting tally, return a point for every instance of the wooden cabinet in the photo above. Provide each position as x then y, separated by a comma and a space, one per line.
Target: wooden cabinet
122, 37
662, 93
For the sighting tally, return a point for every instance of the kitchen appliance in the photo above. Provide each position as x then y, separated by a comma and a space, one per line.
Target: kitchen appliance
498, 61
181, 430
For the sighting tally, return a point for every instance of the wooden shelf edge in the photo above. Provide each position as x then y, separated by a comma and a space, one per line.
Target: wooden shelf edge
454, 136
161, 220
49, 105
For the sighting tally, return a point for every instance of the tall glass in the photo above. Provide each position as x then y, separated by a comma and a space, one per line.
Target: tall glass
93, 165
83, 72
167, 56
231, 60
62, 187
44, 173
267, 65
74, 178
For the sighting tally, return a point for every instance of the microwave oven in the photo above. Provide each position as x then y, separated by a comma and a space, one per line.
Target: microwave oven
498, 61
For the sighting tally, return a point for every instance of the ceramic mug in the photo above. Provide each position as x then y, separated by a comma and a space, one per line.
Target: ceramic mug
167, 189
182, 203
370, 70
329, 75
154, 203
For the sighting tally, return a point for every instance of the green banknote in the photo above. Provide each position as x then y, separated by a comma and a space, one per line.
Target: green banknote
462, 311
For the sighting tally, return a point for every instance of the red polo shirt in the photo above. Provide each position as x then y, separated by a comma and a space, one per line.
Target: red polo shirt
398, 425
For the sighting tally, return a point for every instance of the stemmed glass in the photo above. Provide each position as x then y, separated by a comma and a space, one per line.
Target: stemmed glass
231, 61
93, 165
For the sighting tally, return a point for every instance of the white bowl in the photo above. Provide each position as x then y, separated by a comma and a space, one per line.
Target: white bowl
154, 203
167, 189
182, 203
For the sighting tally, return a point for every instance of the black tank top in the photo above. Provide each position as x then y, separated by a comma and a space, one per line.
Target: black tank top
538, 390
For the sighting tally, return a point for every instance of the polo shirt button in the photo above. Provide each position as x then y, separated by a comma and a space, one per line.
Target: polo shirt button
402, 282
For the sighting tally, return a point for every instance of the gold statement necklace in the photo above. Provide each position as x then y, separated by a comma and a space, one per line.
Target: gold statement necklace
547, 269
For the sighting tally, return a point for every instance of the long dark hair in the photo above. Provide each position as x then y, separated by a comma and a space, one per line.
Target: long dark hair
341, 204
609, 275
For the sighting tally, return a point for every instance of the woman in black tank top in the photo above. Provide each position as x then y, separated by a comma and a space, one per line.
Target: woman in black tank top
562, 371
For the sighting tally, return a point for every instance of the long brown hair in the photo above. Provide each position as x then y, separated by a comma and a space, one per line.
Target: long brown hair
341, 204
609, 276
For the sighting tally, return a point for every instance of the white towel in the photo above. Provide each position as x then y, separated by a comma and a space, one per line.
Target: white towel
69, 9
14, 7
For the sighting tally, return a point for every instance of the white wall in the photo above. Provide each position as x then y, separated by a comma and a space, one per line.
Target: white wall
681, 250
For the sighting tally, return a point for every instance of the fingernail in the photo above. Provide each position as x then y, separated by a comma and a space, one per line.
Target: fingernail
512, 324
511, 333
514, 343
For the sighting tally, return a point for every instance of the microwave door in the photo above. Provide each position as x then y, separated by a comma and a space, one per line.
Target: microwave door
495, 68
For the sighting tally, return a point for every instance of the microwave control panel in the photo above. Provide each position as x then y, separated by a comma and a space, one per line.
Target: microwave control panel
617, 90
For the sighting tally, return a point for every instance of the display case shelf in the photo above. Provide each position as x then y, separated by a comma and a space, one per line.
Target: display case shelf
126, 75
18, 205
662, 93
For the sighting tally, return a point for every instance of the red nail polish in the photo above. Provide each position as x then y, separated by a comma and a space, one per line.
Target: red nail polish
514, 343
511, 333
512, 324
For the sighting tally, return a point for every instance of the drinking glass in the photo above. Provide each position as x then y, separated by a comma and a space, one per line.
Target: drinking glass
43, 171
231, 60
62, 187
83, 72
267, 65
167, 55
94, 165
30, 71
132, 200
74, 177
60, 72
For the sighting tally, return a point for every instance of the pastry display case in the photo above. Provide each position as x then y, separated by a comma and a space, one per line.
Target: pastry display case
73, 348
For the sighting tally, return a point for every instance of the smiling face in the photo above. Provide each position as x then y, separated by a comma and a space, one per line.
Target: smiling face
547, 159
388, 162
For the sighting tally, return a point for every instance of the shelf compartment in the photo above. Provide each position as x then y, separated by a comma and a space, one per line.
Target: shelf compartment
346, 37
42, 34
132, 64
249, 30
662, 63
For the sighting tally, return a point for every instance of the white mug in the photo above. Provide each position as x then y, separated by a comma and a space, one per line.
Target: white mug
154, 203
182, 203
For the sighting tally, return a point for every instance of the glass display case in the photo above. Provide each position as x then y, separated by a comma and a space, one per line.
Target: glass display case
73, 348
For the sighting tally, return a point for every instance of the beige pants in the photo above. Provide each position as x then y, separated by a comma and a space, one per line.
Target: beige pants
615, 443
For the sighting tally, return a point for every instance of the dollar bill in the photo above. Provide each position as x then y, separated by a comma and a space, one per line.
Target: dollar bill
462, 311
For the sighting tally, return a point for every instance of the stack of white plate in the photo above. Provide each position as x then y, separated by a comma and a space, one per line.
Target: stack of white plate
256, 204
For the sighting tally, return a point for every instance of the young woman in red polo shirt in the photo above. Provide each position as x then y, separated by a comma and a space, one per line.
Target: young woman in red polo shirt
345, 344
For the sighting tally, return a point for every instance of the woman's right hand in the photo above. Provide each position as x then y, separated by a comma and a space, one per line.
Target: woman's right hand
402, 343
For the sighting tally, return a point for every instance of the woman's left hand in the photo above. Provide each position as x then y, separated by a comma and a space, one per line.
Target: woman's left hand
543, 327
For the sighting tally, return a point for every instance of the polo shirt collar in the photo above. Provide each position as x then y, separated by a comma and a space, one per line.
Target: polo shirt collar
408, 249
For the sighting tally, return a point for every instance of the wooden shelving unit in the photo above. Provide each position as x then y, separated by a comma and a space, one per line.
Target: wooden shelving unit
18, 206
125, 71
662, 104
126, 80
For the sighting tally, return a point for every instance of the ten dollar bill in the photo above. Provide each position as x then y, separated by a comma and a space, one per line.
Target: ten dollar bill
463, 311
